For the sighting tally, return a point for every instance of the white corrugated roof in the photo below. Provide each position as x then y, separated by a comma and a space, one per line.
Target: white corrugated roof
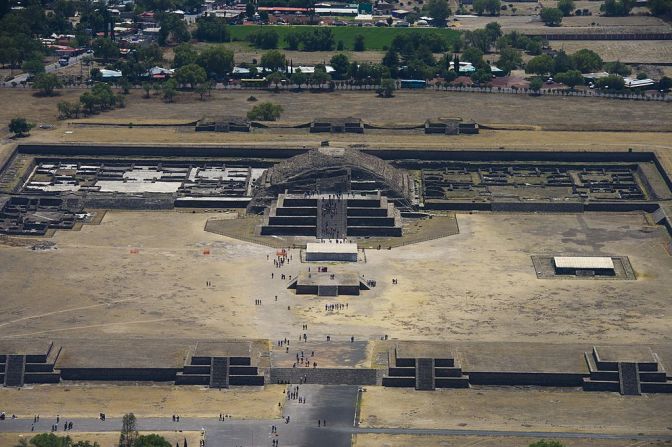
583, 262
326, 247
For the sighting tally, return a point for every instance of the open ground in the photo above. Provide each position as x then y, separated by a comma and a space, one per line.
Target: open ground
479, 285
550, 113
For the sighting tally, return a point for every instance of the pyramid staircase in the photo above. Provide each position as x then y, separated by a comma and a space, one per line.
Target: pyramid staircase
424, 373
219, 372
18, 369
626, 377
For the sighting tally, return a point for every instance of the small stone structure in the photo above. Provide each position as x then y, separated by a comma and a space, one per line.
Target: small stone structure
327, 284
223, 124
628, 370
331, 251
337, 125
450, 127
584, 265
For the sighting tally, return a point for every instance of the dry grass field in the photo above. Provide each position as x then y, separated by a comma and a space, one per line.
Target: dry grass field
629, 51
82, 400
533, 409
384, 440
550, 113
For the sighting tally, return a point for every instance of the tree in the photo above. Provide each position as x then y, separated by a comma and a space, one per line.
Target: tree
47, 83
491, 7
265, 38
439, 11
298, 78
611, 83
340, 63
50, 440
146, 86
665, 84
191, 74
68, 110
617, 7
661, 8
359, 43
391, 61
562, 62
509, 59
266, 111
273, 60
202, 89
293, 40
570, 78
482, 76
474, 56
540, 65
536, 84
33, 66
275, 78
386, 89
152, 440
20, 127
185, 54
544, 443
618, 68
173, 29
212, 29
494, 31
551, 16
169, 90
216, 60
566, 6
129, 431
125, 85
105, 49
586, 61
479, 39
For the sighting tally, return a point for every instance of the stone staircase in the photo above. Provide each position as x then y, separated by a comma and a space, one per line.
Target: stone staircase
626, 377
15, 368
219, 372
424, 374
629, 379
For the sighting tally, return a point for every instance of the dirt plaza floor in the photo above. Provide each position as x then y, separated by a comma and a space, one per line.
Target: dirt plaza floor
145, 274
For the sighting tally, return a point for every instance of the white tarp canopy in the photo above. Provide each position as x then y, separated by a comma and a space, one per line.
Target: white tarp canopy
583, 262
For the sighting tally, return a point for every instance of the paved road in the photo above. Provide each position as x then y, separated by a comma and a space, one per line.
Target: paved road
333, 403
48, 68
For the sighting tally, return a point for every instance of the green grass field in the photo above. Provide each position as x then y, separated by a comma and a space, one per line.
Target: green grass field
375, 38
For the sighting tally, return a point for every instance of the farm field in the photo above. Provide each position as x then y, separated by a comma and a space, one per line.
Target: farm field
375, 38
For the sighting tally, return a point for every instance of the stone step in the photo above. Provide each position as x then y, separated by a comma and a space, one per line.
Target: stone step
219, 372
14, 370
629, 379
424, 374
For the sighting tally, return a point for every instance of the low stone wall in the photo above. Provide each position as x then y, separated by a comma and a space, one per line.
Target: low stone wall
526, 378
120, 374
